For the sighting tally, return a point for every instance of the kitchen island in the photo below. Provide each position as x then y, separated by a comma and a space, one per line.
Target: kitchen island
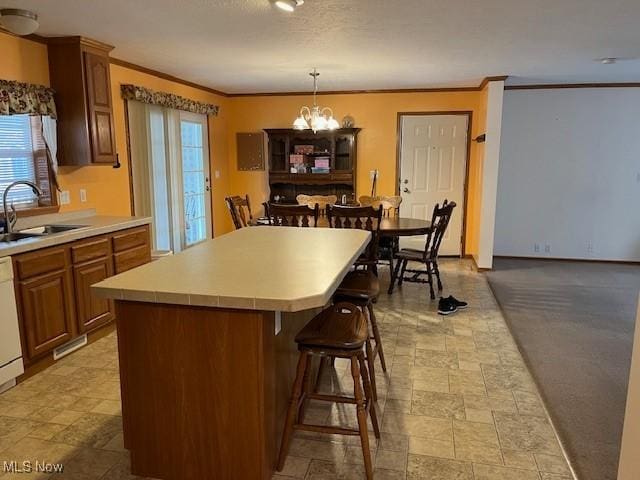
207, 356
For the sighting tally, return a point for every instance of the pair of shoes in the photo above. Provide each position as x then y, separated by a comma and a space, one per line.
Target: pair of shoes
449, 305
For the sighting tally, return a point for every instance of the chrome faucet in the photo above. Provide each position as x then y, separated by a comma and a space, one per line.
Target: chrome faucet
10, 219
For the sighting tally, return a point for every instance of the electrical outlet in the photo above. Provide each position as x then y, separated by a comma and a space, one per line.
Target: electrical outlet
64, 198
547, 248
372, 174
590, 248
83, 195
536, 247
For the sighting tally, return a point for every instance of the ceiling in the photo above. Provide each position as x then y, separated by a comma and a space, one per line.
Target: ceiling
240, 46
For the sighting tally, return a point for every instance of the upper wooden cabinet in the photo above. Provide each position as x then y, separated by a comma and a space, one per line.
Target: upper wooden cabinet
79, 71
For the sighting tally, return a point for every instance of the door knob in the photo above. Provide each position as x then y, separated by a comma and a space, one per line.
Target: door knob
406, 190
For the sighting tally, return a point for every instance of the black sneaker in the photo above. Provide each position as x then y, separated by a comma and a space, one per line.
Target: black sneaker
446, 306
456, 302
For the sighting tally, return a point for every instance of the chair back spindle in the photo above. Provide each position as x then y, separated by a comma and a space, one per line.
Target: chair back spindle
240, 210
292, 215
439, 223
321, 200
363, 218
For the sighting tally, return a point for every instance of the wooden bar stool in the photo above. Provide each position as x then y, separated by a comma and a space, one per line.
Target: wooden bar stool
362, 287
338, 331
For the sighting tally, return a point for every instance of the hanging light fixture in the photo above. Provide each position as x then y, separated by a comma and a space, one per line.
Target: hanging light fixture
315, 118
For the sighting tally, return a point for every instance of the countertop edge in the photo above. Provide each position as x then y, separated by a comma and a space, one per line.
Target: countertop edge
120, 223
241, 303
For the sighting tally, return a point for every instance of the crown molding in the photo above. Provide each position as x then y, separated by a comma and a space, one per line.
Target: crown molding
552, 86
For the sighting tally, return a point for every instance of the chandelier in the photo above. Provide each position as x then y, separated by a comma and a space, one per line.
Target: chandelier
315, 118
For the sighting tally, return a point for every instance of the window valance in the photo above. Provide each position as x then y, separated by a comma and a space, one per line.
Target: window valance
168, 100
26, 98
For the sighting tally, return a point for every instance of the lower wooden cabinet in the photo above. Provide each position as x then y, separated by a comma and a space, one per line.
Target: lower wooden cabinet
91, 311
47, 312
53, 287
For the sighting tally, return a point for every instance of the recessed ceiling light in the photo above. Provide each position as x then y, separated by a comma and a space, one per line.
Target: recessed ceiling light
288, 5
18, 21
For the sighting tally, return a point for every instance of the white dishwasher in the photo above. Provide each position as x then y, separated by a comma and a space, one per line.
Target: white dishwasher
11, 365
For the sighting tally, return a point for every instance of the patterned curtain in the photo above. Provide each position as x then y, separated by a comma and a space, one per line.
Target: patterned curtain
168, 100
26, 98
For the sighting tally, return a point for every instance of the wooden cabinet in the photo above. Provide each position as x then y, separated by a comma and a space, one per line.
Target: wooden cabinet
339, 145
45, 300
92, 263
53, 287
79, 72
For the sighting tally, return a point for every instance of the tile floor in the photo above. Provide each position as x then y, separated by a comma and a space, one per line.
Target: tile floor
456, 404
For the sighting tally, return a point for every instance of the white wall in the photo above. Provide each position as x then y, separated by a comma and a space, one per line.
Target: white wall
489, 178
570, 174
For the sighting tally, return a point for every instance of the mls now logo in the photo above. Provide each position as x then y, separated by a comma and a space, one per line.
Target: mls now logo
29, 467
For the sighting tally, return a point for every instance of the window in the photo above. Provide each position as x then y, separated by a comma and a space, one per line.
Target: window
23, 156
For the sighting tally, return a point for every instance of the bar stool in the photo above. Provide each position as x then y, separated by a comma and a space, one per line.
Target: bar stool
362, 287
338, 331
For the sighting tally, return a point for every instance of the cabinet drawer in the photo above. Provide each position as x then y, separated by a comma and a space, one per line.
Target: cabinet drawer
131, 258
40, 262
130, 239
91, 250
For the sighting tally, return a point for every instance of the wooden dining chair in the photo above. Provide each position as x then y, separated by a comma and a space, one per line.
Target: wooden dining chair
362, 287
321, 200
240, 210
292, 215
429, 256
388, 246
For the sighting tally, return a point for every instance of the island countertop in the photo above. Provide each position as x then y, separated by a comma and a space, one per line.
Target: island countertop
267, 268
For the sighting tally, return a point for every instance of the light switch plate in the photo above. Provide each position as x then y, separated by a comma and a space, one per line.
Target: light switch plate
64, 197
217, 174
83, 195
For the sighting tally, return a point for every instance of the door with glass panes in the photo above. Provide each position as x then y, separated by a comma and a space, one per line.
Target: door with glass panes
196, 182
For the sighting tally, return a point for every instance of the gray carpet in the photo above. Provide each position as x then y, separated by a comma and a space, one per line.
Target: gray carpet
574, 322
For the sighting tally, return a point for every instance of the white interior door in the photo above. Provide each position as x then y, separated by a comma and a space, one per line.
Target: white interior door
433, 156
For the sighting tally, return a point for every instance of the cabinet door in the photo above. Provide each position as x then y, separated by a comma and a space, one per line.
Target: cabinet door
103, 146
91, 311
47, 312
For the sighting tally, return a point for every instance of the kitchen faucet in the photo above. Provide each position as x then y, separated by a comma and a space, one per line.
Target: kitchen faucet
11, 219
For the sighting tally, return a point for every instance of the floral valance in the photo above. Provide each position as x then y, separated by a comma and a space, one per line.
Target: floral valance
26, 98
168, 100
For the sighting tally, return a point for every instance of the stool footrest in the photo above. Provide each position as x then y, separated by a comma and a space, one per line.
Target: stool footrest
331, 398
326, 429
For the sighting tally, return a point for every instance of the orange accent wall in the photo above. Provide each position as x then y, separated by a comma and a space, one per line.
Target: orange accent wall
108, 188
376, 114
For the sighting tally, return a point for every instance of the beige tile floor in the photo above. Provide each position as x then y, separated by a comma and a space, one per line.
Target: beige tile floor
456, 404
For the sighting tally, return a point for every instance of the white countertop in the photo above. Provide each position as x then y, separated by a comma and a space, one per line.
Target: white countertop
257, 268
92, 225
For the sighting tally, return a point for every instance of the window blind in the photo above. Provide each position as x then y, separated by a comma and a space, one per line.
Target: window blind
16, 158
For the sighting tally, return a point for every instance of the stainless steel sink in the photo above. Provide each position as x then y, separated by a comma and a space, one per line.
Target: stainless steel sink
17, 236
51, 229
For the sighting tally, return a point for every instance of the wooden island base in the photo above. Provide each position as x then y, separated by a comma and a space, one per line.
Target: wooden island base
204, 390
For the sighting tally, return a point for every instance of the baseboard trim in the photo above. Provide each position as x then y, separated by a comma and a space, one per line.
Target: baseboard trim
561, 259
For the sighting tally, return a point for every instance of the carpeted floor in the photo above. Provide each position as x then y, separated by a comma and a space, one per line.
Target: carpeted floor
573, 322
